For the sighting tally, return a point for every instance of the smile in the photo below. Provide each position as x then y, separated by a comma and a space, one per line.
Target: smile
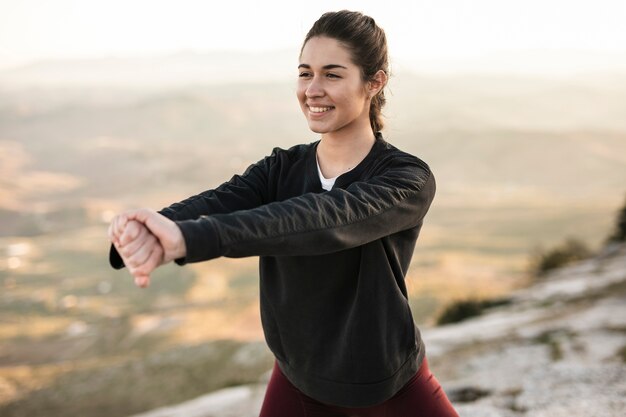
320, 109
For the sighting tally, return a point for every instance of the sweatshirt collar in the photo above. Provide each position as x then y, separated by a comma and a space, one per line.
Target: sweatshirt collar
348, 177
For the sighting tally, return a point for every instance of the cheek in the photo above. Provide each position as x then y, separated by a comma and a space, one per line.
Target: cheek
300, 94
352, 101
301, 97
355, 96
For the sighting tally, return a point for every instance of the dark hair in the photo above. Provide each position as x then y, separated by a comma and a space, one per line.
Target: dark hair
367, 44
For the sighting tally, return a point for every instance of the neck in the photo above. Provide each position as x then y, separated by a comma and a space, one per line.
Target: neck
338, 152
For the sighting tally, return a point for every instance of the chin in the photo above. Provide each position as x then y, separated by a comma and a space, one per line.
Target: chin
317, 129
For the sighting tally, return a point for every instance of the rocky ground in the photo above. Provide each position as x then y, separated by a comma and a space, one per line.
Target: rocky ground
557, 349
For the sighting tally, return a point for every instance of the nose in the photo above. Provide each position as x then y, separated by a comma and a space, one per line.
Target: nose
315, 88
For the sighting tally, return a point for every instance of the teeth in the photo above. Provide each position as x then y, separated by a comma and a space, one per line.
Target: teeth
319, 109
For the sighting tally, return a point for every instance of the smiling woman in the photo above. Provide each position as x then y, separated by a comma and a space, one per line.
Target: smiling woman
336, 102
333, 254
333, 96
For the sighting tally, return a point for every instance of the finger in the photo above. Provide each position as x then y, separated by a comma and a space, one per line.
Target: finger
142, 253
142, 281
131, 232
143, 272
119, 224
155, 259
131, 247
139, 250
158, 224
120, 251
110, 232
166, 231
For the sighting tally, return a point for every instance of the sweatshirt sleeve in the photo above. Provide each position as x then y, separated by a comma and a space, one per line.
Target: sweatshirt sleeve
241, 192
317, 223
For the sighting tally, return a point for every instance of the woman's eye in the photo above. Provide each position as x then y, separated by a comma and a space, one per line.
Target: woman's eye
304, 74
332, 76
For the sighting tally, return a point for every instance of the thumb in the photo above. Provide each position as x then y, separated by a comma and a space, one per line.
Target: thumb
155, 222
164, 229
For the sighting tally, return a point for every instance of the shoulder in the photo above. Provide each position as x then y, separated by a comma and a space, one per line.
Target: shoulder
282, 158
294, 152
391, 156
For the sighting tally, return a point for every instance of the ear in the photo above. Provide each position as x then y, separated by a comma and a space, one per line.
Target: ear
377, 83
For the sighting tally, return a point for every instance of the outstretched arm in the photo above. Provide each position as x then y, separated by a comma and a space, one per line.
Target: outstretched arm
317, 223
241, 192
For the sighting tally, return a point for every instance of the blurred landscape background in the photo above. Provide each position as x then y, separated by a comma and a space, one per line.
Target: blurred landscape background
524, 162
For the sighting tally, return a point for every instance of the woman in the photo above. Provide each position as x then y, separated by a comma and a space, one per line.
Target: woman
335, 224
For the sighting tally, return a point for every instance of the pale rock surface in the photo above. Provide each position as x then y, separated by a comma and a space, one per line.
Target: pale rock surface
552, 352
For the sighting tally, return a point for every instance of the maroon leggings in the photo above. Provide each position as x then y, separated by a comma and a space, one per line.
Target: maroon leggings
422, 396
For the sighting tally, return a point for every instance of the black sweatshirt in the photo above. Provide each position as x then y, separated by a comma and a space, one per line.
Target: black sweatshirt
332, 264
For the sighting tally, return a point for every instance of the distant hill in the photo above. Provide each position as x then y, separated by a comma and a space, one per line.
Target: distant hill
493, 141
154, 71
509, 135
188, 67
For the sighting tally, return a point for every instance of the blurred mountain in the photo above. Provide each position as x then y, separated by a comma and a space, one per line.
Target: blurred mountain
542, 62
495, 142
511, 135
187, 67
155, 71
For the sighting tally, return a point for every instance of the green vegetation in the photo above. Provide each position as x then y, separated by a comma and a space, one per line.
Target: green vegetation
568, 251
619, 233
468, 394
572, 249
464, 309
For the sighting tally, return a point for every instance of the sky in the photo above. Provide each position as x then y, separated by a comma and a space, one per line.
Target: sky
419, 32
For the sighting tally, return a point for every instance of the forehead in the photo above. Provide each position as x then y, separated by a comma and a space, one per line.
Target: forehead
320, 51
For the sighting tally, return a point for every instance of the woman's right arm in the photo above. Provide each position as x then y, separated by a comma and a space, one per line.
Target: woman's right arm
241, 192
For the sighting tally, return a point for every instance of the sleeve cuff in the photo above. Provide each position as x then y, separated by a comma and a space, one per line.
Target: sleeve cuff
115, 260
201, 240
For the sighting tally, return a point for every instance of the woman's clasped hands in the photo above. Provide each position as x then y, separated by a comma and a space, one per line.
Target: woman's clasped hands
145, 240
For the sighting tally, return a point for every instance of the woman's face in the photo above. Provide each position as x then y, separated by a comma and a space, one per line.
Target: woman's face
330, 90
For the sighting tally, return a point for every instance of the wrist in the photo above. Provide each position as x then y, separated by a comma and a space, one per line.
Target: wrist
180, 247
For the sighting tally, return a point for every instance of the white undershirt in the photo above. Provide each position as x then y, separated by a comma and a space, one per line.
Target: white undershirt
327, 183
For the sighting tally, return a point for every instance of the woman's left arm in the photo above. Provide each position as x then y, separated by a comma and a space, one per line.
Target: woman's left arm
317, 223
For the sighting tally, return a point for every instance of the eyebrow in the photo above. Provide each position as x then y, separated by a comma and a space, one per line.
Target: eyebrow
326, 67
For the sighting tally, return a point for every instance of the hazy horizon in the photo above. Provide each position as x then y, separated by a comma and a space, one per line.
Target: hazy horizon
450, 35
